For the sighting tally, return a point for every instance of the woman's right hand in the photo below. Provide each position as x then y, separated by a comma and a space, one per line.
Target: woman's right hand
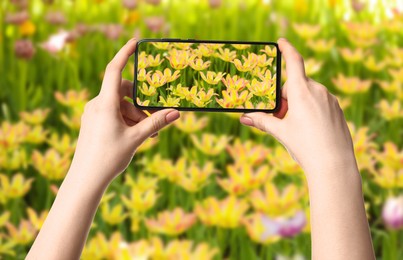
314, 129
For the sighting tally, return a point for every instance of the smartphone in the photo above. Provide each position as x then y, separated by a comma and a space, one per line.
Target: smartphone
198, 75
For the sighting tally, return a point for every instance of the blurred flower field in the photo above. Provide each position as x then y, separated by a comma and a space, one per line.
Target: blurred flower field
207, 187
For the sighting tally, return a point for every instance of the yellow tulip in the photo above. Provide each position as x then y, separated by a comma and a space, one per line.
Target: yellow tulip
171, 223
306, 31
51, 165
114, 215
203, 50
321, 45
284, 162
232, 98
195, 177
37, 220
143, 103
262, 61
352, 56
154, 61
351, 85
275, 203
226, 54
178, 59
4, 217
36, 135
73, 98
198, 64
13, 159
226, 213
35, 117
388, 177
390, 156
182, 45
190, 123
142, 75
148, 90
262, 88
234, 83
24, 234
15, 187
142, 183
270, 51
242, 178
170, 101
169, 77
390, 111
249, 63
248, 153
312, 66
211, 144
27, 28
140, 200
156, 79
241, 46
161, 45
142, 61
256, 230
212, 77
64, 144
374, 65
12, 135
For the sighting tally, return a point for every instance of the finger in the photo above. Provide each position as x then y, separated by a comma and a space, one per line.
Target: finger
126, 89
294, 62
154, 123
129, 111
283, 109
265, 122
111, 84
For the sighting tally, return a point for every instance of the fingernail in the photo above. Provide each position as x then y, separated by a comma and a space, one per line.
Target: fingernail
246, 121
172, 116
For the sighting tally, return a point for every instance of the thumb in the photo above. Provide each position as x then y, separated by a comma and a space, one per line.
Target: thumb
267, 123
155, 122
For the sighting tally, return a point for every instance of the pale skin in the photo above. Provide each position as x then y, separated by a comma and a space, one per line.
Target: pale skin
112, 129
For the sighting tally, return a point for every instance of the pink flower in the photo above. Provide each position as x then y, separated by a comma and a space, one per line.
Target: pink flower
215, 3
22, 4
56, 42
155, 23
283, 227
17, 18
111, 31
392, 212
55, 18
129, 4
153, 2
24, 49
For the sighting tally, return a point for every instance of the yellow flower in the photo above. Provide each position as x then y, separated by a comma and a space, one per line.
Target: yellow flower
4, 217
321, 45
171, 223
13, 159
344, 102
178, 59
397, 74
140, 200
226, 213
190, 123
100, 248
249, 63
262, 88
388, 177
51, 165
306, 31
143, 183
390, 156
182, 45
361, 34
142, 75
114, 215
242, 178
212, 77
6, 246
195, 177
203, 50
275, 203
143, 103
262, 61
161, 45
198, 64
232, 98
157, 165
72, 98
352, 56
269, 104
36, 135
142, 61
154, 61
234, 83
200, 98
374, 65
36, 219
169, 77
170, 101
390, 111
73, 121
15, 187
270, 51
148, 91
156, 79
23, 234
351, 85
226, 54
247, 153
12, 135
63, 144
364, 147
27, 28
35, 117
257, 230
284, 162
241, 46
312, 66
395, 86
211, 144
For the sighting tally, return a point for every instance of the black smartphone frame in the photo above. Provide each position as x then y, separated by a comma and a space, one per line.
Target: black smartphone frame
239, 110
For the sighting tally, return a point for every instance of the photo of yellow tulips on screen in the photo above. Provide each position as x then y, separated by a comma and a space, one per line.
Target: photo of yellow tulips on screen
195, 75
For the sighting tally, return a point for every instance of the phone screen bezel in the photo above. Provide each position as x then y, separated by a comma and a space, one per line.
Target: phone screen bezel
241, 110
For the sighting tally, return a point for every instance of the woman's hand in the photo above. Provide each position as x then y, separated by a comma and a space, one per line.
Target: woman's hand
314, 126
111, 127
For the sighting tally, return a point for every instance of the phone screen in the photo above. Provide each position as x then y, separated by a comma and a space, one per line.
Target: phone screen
207, 75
